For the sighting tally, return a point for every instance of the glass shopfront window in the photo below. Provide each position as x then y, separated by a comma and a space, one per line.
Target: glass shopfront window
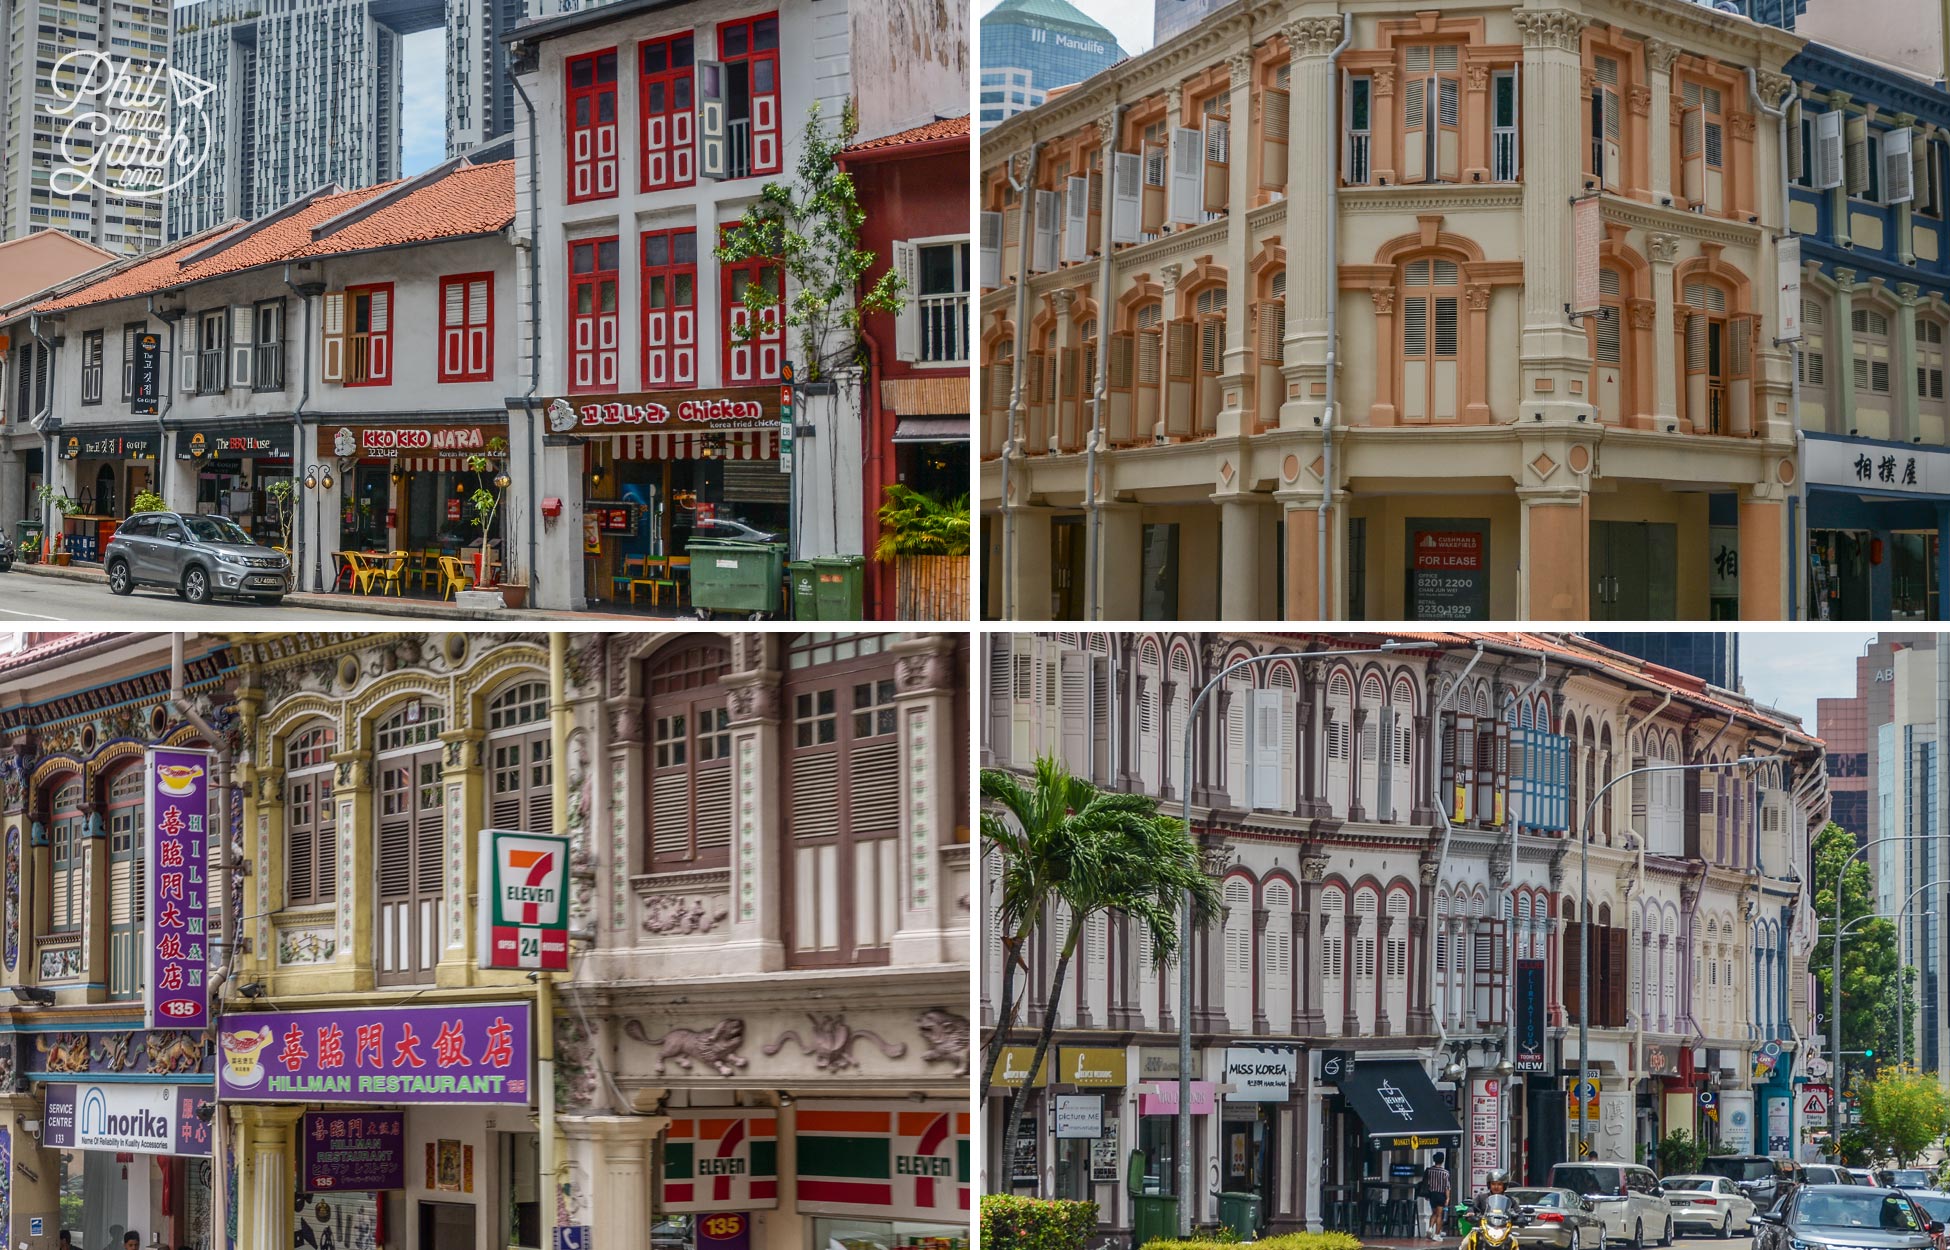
858, 1234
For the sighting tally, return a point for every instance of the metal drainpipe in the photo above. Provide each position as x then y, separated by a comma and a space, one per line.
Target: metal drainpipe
1798, 516
298, 449
1509, 1017
1442, 816
1024, 245
534, 339
1094, 541
1333, 365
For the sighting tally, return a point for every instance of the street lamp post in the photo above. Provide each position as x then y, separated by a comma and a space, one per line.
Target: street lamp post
318, 479
1902, 982
1185, 907
1584, 919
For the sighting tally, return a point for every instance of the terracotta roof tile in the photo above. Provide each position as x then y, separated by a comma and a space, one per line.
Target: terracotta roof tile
471, 200
947, 128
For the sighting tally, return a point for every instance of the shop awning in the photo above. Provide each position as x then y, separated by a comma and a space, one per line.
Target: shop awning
931, 430
729, 445
1396, 1102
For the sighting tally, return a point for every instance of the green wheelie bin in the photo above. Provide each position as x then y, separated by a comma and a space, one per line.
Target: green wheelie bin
732, 576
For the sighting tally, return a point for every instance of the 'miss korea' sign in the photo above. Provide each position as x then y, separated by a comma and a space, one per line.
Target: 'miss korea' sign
525, 919
1260, 1073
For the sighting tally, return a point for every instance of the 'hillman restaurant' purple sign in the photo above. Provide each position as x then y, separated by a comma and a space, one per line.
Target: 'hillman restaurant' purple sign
178, 816
458, 1054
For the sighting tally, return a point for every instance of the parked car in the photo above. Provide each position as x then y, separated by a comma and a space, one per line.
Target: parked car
1863, 1176
1761, 1178
1845, 1217
1625, 1196
1906, 1178
1936, 1209
1559, 1219
199, 557
1710, 1202
1824, 1174
673, 1232
725, 527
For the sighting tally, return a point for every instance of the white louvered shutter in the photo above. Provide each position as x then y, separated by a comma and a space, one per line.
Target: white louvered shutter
1829, 162
1042, 256
1076, 220
991, 250
1187, 170
1855, 131
907, 322
189, 330
241, 323
1898, 173
713, 151
332, 343
379, 344
1267, 740
480, 347
1126, 191
1073, 711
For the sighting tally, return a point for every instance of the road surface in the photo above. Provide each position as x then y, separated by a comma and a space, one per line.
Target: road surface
26, 598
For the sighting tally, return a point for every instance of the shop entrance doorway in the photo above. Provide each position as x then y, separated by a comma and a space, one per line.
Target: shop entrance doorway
446, 1226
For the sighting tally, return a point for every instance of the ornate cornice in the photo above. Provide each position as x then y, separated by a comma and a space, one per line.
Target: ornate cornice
1311, 37
1660, 54
1431, 199
1774, 88
1240, 68
1681, 223
1551, 29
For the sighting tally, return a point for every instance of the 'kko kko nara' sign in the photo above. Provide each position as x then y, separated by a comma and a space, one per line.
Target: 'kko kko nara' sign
458, 1054
177, 820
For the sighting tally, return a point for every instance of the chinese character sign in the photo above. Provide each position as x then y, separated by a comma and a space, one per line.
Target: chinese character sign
360, 1150
471, 1054
178, 815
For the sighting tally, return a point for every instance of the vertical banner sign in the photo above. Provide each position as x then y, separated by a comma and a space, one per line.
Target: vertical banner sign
1590, 236
6, 1187
1787, 270
1485, 1132
787, 418
525, 923
176, 821
147, 382
1530, 1016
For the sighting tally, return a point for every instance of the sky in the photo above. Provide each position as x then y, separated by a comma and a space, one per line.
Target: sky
1129, 20
1791, 669
423, 110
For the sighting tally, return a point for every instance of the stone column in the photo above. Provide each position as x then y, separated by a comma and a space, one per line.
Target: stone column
1242, 522
1258, 965
1174, 308
1209, 990
1903, 385
462, 792
1556, 553
1313, 924
1307, 740
1313, 182
618, 1149
1665, 330
1421, 1019
1240, 367
265, 1173
1659, 56
1356, 766
1841, 351
1555, 352
1763, 552
94, 897
756, 943
1353, 924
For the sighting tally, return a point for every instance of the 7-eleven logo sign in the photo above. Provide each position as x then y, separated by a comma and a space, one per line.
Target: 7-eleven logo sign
525, 878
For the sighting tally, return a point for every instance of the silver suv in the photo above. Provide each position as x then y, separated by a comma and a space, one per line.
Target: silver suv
200, 557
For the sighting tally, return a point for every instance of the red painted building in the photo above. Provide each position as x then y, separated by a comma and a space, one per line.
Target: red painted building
913, 190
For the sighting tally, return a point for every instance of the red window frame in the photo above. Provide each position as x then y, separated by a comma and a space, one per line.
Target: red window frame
669, 132
669, 329
764, 108
593, 331
466, 345
757, 360
377, 351
591, 146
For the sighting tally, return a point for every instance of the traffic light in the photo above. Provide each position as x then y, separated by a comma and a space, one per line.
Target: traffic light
1870, 1053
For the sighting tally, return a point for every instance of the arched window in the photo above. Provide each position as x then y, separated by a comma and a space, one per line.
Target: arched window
1719, 354
1401, 775
1285, 683
1340, 728
842, 781
1669, 979
1873, 406
690, 756
1238, 939
1210, 317
1147, 976
521, 794
1238, 727
1364, 941
1181, 694
1276, 956
1394, 963
1269, 333
411, 840
311, 852
1431, 333
1150, 705
1148, 322
1813, 363
1605, 765
1333, 958
1610, 335
67, 832
1932, 414
1373, 713
125, 883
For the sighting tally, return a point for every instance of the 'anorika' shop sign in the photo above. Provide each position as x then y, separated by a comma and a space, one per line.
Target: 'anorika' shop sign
458, 1054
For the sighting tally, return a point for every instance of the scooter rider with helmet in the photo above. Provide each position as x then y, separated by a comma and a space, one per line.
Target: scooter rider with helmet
1497, 1217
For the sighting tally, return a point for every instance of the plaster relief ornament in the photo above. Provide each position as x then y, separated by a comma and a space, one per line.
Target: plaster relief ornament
715, 1048
830, 1043
174, 1051
670, 914
947, 1037
114, 1051
69, 1053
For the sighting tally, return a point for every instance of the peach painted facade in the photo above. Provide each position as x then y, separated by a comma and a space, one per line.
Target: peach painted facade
1619, 465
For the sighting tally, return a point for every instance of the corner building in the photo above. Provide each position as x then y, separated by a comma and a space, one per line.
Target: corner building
1327, 293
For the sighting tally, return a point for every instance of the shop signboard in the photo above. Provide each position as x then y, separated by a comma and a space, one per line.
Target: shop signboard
728, 1230
107, 446
742, 408
1079, 1116
788, 421
145, 389
1532, 1000
614, 518
1091, 1065
1012, 1066
1780, 1136
1875, 468
354, 1149
406, 440
203, 444
721, 1159
476, 1054
1449, 569
1334, 1065
1157, 1063
179, 788
1261, 1073
1104, 1165
1485, 1131
885, 1160
525, 913
1737, 1121
127, 1118
1161, 1097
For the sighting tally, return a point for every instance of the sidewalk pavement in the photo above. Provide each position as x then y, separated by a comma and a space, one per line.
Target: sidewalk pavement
368, 605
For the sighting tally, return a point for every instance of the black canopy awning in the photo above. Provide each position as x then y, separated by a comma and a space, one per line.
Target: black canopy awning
1399, 1105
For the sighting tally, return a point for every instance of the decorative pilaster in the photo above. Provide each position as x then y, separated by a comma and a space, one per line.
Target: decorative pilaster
618, 1151
270, 1136
1313, 182
1239, 368
1258, 961
1838, 196
758, 850
930, 929
352, 793
1659, 56
1554, 351
1841, 353
1313, 928
1903, 426
1665, 329
464, 802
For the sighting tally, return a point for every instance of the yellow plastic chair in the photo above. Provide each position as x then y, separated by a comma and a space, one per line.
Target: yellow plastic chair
453, 576
362, 572
629, 569
389, 570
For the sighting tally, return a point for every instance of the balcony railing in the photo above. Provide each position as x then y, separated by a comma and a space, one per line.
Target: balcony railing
209, 371
738, 147
1357, 160
267, 367
358, 357
944, 328
1504, 160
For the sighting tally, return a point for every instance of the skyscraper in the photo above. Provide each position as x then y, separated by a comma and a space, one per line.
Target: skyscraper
1030, 47
35, 34
1710, 656
307, 94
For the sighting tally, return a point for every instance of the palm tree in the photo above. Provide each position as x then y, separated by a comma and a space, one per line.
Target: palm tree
1064, 841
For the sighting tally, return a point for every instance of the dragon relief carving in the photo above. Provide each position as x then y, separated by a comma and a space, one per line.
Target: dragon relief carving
670, 914
830, 1043
69, 1053
174, 1051
716, 1047
575, 1068
114, 1051
947, 1037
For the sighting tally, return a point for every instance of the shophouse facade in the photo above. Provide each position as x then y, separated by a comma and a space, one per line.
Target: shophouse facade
79, 711
356, 343
1868, 192
1399, 874
768, 1029
1296, 305
657, 125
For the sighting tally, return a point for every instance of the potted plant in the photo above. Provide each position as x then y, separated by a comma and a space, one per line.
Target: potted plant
147, 501
927, 542
282, 493
484, 505
66, 505
30, 549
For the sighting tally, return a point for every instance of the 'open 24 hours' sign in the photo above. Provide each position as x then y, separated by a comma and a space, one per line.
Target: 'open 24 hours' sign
525, 922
